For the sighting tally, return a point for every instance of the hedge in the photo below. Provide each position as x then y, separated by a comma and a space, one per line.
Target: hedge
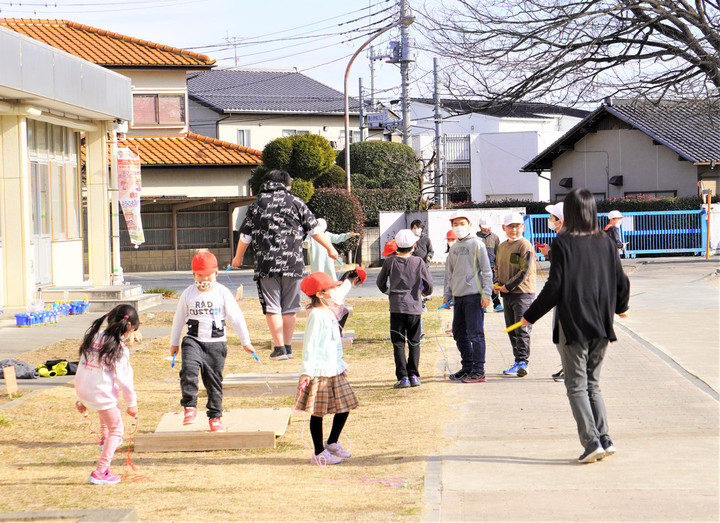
342, 212
303, 189
305, 156
335, 177
373, 201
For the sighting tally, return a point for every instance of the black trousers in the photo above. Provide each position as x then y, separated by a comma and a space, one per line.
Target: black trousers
208, 360
406, 327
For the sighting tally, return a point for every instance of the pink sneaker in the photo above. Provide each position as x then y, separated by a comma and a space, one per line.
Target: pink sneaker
325, 458
104, 478
216, 425
190, 416
337, 450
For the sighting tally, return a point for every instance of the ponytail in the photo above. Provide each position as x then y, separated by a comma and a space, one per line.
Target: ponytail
123, 318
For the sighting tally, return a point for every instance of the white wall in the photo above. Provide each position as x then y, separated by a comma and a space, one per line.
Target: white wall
714, 228
194, 182
67, 263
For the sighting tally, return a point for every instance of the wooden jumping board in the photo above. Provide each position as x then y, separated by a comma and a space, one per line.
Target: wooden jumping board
256, 384
246, 429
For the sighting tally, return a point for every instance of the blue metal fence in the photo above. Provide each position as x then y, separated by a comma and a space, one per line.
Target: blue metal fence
660, 232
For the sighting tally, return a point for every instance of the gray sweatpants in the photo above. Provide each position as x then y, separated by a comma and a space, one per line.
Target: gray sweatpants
208, 359
582, 362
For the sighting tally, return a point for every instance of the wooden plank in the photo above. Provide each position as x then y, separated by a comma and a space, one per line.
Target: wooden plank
256, 384
181, 442
10, 380
239, 420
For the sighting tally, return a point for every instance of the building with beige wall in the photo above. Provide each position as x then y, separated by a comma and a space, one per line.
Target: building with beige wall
50, 101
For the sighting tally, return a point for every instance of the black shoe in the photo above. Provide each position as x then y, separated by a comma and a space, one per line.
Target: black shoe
474, 377
607, 446
288, 351
458, 376
403, 383
559, 375
592, 453
278, 353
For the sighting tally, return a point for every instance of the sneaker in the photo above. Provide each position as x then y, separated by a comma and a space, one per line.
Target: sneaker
499, 308
402, 384
190, 416
592, 453
216, 425
415, 381
512, 371
522, 369
607, 446
559, 375
325, 458
278, 353
337, 450
104, 478
459, 375
474, 377
288, 351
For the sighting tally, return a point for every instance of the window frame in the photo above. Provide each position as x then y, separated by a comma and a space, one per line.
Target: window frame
157, 123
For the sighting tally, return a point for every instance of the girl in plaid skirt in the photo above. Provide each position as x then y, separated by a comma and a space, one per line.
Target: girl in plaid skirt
323, 386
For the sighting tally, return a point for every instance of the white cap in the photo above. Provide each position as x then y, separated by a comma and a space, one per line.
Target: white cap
513, 217
484, 223
405, 238
614, 214
322, 224
556, 209
460, 214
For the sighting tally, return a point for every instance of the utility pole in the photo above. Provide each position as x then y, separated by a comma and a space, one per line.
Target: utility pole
439, 173
361, 115
405, 59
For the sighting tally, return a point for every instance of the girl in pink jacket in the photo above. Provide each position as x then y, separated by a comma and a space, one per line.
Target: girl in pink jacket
103, 371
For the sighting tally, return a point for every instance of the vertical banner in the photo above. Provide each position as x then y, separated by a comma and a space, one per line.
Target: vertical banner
129, 187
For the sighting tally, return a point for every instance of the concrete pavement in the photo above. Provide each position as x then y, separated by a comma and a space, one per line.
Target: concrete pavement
512, 445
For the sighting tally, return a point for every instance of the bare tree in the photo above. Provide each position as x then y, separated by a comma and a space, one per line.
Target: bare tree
577, 50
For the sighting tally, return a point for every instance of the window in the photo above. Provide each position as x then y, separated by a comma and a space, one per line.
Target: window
158, 109
243, 137
291, 132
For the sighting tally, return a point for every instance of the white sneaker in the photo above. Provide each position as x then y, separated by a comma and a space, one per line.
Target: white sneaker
325, 458
337, 450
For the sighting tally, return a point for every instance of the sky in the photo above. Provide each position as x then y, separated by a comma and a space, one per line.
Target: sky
317, 37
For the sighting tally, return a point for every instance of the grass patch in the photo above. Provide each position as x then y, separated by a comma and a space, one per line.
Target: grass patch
167, 293
49, 452
5, 422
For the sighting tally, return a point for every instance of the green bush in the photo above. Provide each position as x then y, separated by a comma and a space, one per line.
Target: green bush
305, 156
303, 189
360, 181
335, 177
390, 165
372, 201
277, 154
256, 176
342, 213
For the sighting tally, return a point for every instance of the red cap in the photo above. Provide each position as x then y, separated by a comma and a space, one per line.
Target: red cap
316, 282
450, 235
389, 248
204, 263
361, 274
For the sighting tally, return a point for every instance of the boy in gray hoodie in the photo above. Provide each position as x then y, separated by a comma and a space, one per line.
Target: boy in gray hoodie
468, 283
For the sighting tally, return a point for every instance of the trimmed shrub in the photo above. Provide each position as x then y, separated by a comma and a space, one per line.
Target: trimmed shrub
256, 177
360, 181
277, 154
372, 201
335, 177
342, 212
305, 156
303, 189
391, 165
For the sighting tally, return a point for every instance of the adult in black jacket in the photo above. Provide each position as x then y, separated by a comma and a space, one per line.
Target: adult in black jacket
587, 286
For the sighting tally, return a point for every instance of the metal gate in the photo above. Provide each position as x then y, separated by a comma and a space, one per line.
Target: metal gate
456, 154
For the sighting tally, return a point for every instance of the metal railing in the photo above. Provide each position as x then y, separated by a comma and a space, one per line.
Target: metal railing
659, 232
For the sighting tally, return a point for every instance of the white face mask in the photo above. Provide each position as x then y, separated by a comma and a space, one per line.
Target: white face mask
551, 224
204, 285
461, 230
417, 232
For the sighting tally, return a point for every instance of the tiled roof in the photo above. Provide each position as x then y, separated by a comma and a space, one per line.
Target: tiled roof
244, 91
690, 128
104, 47
514, 110
190, 149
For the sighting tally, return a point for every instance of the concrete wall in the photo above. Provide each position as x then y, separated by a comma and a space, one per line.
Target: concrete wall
163, 82
149, 261
190, 181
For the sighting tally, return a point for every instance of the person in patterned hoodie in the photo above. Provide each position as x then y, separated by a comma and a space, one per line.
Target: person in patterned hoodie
275, 225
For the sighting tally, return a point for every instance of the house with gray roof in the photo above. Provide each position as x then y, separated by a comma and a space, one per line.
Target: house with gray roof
253, 107
630, 147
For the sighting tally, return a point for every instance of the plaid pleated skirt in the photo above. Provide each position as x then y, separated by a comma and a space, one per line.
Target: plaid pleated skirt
327, 395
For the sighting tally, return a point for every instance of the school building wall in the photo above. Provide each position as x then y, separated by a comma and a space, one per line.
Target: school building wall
206, 181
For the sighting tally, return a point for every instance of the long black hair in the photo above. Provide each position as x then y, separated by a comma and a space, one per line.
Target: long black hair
123, 318
580, 212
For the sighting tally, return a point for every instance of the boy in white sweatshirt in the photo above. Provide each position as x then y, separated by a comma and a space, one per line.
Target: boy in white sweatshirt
204, 307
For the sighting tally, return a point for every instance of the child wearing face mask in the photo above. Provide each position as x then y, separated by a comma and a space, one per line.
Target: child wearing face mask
450, 238
612, 229
491, 241
423, 247
323, 386
204, 307
468, 283
515, 279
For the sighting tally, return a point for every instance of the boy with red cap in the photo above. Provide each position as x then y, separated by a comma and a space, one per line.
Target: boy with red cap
204, 308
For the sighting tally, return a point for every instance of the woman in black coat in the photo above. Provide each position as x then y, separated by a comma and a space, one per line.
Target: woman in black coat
588, 286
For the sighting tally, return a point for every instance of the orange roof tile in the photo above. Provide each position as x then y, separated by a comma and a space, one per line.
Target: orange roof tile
190, 149
104, 47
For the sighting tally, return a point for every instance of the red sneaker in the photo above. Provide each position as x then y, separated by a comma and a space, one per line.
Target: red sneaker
216, 425
190, 416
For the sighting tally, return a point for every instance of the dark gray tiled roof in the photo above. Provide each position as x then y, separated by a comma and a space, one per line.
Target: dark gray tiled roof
514, 110
690, 128
243, 91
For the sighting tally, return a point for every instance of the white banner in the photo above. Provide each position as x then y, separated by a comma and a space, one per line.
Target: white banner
130, 185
